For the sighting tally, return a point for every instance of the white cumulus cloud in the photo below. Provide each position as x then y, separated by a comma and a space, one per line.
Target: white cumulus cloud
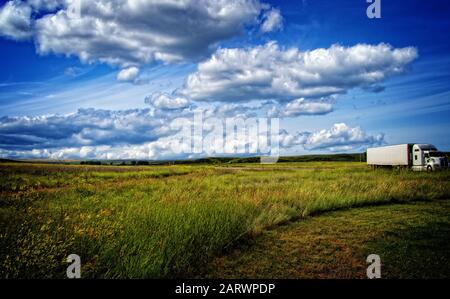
130, 32
272, 21
299, 107
15, 20
340, 137
128, 74
165, 101
270, 72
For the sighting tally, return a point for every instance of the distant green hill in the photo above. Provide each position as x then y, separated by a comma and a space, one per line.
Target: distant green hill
356, 157
353, 157
8, 160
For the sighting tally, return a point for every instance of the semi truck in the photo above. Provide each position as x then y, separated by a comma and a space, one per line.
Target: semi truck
418, 157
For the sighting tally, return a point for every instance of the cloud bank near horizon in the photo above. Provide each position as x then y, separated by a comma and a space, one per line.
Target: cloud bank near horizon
146, 134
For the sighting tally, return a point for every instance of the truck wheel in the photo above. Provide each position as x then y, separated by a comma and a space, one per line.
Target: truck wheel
429, 168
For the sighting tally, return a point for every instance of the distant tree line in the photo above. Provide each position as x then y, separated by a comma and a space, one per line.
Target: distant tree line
356, 157
120, 163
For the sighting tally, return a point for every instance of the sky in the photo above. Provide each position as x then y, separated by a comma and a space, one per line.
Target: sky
117, 79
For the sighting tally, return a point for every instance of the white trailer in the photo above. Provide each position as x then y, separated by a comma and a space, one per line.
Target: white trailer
394, 155
415, 156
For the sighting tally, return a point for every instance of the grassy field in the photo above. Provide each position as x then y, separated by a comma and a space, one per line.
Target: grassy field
176, 221
412, 240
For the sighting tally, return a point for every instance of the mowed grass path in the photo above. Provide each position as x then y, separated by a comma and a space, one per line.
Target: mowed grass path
412, 240
171, 221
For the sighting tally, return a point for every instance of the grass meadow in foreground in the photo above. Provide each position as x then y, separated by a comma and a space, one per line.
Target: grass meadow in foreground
169, 221
412, 240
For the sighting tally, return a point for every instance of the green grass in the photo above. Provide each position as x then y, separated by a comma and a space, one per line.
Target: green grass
169, 221
412, 240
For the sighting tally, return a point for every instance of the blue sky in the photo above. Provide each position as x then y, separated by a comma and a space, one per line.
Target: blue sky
68, 90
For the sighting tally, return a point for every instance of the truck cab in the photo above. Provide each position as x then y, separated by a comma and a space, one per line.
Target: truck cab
427, 157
